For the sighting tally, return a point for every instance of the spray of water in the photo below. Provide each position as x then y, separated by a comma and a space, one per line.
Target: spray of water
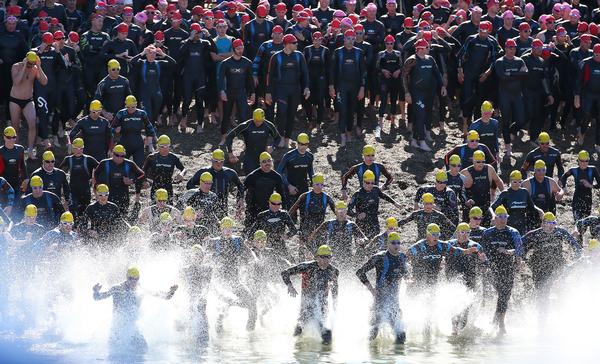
53, 315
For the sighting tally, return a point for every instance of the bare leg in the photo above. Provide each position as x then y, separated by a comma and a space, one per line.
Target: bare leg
29, 113
15, 116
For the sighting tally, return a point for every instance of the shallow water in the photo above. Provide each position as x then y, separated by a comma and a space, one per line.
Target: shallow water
60, 322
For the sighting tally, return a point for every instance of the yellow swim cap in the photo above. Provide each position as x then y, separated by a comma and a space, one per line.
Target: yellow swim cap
318, 178
260, 235
188, 213
163, 140
227, 223
66, 217
441, 176
32, 57
303, 138
516, 175
119, 149
394, 236
455, 159
369, 176
487, 106
133, 272
218, 155
48, 156
113, 63
340, 205
475, 211
433, 229
324, 250
479, 156
275, 198
391, 222
31, 210
134, 230
544, 137
165, 217
501, 210
130, 101
473, 135
95, 105
583, 155
593, 244
258, 115
206, 177
427, 198
264, 156
539, 164
78, 143
102, 188
9, 131
161, 194
549, 217
463, 226
36, 181
368, 150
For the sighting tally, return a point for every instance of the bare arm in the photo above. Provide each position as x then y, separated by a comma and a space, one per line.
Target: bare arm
18, 75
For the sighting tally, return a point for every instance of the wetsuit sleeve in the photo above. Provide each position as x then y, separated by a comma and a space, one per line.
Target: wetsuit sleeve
149, 165
235, 179
499, 200
139, 176
527, 163
596, 177
64, 165
233, 133
333, 68
358, 233
297, 269
299, 202
408, 66
571, 239
352, 204
584, 223
388, 177
76, 129
148, 126
5, 218
102, 295
66, 187
351, 172
21, 168
564, 177
273, 131
249, 79
363, 71
407, 219
361, 273
384, 196
517, 242
271, 73
222, 78
304, 70
559, 166
527, 240
257, 60
10, 192
99, 91
281, 168
108, 138
290, 224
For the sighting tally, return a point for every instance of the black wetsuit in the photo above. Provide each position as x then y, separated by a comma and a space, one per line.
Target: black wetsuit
502, 265
49, 208
223, 181
112, 174
423, 218
80, 175
582, 197
445, 200
131, 125
274, 224
368, 203
259, 187
96, 134
112, 93
255, 138
316, 284
159, 169
389, 270
520, 207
